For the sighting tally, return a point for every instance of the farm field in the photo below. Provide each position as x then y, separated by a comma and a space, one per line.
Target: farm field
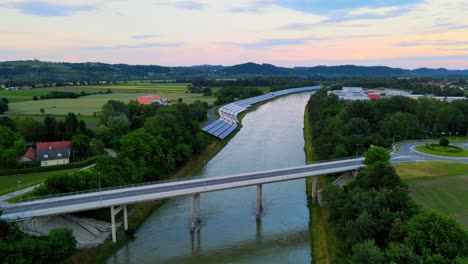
438, 185
123, 86
88, 105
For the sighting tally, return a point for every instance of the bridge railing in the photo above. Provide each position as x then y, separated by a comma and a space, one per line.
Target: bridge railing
36, 198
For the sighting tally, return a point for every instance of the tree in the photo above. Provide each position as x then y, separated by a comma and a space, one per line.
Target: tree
31, 129
80, 147
12, 146
376, 154
444, 142
366, 252
434, 233
402, 254
51, 128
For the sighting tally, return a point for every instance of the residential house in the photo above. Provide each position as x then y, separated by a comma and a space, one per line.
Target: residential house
53, 153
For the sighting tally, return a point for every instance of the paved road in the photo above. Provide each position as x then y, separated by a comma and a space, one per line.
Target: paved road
159, 191
407, 153
106, 198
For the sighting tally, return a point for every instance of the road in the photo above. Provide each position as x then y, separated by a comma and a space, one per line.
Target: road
129, 195
103, 199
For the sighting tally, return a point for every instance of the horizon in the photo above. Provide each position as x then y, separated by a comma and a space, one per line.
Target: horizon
258, 63
303, 33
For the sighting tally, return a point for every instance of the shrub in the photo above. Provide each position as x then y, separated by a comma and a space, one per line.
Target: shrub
444, 142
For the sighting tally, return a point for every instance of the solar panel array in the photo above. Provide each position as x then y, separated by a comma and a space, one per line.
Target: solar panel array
227, 122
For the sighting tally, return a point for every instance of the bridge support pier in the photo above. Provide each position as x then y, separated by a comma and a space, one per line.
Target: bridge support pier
195, 213
259, 201
314, 190
114, 212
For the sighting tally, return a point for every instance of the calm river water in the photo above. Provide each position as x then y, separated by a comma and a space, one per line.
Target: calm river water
271, 137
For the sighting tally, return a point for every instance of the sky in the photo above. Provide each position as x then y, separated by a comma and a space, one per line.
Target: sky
397, 33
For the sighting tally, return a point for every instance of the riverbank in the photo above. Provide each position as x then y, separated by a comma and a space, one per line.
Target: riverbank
322, 235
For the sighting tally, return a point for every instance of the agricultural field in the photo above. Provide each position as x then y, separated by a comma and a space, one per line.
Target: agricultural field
438, 185
120, 87
88, 105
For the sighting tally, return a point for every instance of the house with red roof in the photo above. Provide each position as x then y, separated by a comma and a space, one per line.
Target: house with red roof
151, 99
29, 156
53, 153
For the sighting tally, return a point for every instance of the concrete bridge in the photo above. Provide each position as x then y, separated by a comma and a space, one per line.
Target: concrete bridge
118, 199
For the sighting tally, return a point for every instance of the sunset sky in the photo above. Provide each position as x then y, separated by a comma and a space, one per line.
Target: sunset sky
397, 33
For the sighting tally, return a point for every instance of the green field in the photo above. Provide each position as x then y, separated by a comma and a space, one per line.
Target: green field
88, 105
9, 183
120, 87
438, 185
442, 151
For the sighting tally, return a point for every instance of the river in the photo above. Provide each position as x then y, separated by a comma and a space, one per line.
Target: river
271, 137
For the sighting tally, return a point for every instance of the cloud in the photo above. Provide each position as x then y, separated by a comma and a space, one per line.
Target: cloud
142, 36
367, 13
136, 46
326, 6
297, 26
431, 43
39, 8
189, 5
267, 43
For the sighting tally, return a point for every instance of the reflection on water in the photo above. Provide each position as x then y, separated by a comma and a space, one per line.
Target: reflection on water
271, 137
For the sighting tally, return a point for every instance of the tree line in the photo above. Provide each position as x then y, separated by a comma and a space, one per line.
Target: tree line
377, 222
342, 129
152, 141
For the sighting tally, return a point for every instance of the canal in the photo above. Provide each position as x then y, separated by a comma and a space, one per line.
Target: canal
271, 137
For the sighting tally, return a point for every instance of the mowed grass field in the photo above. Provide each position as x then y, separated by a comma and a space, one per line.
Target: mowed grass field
442, 151
438, 185
9, 183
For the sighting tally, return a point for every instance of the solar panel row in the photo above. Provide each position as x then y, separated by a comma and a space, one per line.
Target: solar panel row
227, 123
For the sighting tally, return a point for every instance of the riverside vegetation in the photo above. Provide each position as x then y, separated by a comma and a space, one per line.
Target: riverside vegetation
373, 220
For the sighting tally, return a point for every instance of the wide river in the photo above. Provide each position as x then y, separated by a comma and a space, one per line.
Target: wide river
271, 137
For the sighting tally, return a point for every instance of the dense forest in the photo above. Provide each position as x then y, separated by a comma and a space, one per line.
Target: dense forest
377, 221
342, 129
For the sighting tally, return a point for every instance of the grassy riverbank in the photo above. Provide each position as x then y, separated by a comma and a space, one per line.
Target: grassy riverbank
322, 234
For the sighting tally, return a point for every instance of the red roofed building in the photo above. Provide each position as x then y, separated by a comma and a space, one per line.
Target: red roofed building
29, 156
53, 153
150, 99
374, 96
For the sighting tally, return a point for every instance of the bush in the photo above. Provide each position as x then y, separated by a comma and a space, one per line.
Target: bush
444, 142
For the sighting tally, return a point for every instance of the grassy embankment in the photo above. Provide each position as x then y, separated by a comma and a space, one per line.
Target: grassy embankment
323, 238
9, 184
438, 185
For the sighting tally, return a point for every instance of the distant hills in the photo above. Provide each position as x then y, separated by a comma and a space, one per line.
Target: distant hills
40, 71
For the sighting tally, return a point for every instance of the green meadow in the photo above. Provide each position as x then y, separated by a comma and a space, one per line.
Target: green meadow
22, 103
438, 185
